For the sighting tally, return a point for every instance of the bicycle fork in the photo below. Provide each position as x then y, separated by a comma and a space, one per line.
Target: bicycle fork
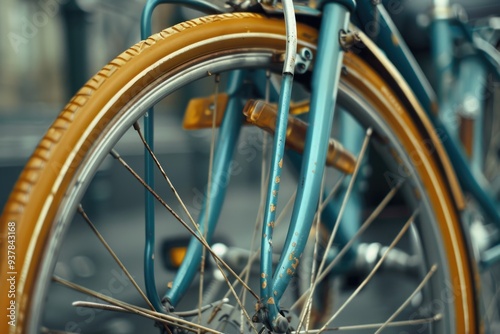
325, 83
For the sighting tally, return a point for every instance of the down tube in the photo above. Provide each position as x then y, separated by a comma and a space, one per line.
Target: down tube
323, 96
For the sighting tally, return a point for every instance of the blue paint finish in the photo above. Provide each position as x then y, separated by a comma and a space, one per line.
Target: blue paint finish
348, 225
266, 279
150, 6
324, 88
349, 4
149, 275
221, 172
149, 249
442, 58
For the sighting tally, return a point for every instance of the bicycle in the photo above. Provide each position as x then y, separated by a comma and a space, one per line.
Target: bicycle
361, 95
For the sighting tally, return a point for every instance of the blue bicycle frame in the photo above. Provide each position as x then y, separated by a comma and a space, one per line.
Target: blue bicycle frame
336, 15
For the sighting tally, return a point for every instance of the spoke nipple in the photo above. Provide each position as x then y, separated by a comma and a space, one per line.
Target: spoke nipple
114, 154
137, 127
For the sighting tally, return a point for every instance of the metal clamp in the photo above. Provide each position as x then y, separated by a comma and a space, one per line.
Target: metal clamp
303, 60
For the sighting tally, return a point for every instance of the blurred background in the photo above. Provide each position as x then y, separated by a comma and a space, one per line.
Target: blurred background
48, 50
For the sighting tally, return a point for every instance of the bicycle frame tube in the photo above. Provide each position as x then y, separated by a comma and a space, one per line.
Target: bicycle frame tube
324, 88
146, 31
442, 49
149, 276
442, 61
275, 319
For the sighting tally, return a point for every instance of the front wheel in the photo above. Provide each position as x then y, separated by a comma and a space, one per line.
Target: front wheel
72, 181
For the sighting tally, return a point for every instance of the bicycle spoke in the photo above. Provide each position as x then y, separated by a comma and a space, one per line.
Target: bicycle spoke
264, 178
137, 128
209, 189
368, 221
416, 322
332, 193
346, 196
100, 306
306, 312
161, 317
255, 255
82, 212
374, 270
218, 260
121, 309
342, 208
199, 236
409, 299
